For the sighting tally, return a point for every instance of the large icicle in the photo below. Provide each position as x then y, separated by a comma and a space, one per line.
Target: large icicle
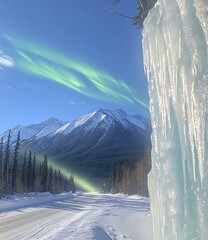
175, 46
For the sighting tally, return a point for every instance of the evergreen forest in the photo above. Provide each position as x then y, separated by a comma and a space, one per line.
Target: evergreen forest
24, 174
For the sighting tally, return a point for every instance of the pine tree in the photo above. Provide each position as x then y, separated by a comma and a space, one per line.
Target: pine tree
24, 173
55, 182
15, 165
60, 181
29, 173
66, 185
118, 177
44, 175
50, 180
73, 186
6, 164
39, 177
33, 173
113, 174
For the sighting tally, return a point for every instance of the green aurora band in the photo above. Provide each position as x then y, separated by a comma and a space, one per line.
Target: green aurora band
41, 61
80, 182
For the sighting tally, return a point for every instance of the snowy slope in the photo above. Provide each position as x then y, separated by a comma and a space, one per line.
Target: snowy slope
93, 119
83, 216
51, 131
90, 121
91, 142
34, 131
103, 134
127, 119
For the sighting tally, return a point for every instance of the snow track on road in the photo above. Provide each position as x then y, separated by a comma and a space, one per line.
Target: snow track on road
83, 217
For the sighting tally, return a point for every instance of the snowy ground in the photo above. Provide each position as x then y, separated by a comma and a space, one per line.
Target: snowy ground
83, 216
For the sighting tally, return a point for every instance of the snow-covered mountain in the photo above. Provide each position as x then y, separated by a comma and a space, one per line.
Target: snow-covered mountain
100, 120
91, 142
33, 131
91, 121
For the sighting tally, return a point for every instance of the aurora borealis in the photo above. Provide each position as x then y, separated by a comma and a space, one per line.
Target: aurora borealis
41, 61
67, 59
80, 182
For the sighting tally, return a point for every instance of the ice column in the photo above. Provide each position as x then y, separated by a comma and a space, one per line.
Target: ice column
175, 47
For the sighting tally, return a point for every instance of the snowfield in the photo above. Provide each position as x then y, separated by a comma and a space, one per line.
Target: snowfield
81, 216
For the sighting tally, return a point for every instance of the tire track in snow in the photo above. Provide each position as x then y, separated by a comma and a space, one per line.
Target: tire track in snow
85, 217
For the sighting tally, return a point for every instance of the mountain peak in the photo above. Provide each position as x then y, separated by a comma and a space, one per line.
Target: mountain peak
89, 122
94, 140
120, 111
107, 111
38, 130
125, 119
53, 120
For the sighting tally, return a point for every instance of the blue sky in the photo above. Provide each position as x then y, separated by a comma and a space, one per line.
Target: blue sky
67, 58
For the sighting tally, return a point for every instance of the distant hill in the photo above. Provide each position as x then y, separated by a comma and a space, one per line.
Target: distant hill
90, 144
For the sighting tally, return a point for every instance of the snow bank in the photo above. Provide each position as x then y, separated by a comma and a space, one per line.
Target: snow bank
18, 201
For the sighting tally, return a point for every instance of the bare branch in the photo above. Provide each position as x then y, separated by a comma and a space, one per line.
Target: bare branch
119, 14
141, 5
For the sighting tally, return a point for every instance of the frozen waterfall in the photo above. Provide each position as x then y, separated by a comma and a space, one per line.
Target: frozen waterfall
175, 46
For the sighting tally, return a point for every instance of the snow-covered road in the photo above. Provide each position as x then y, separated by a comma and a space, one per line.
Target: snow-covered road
85, 216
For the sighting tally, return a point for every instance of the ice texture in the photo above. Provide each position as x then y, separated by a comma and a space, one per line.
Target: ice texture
175, 49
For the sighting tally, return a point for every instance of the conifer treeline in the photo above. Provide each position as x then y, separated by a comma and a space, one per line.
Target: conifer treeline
131, 178
25, 175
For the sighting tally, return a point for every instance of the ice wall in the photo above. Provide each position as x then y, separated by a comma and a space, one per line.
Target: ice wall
175, 46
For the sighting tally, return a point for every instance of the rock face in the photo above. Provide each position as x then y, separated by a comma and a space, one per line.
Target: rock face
175, 46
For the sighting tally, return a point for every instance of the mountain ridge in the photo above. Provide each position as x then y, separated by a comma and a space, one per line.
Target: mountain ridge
92, 142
